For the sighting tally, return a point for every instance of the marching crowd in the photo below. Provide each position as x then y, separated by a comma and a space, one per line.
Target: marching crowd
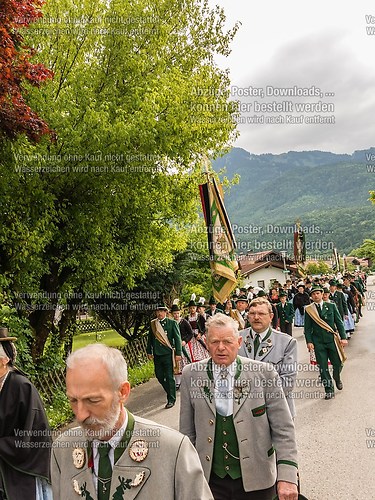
288, 303
235, 364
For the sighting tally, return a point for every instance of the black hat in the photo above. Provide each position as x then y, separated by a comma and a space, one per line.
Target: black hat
161, 307
4, 335
212, 301
8, 346
192, 303
175, 308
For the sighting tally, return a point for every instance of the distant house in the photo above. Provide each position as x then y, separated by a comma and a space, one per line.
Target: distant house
356, 261
263, 268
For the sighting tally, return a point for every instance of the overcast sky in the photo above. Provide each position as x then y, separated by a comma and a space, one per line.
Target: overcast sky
297, 44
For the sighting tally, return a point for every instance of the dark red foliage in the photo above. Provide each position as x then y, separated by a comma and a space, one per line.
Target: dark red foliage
16, 117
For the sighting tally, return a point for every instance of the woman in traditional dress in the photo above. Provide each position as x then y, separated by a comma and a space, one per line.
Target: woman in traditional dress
25, 437
348, 320
300, 300
202, 316
186, 336
196, 346
229, 305
273, 296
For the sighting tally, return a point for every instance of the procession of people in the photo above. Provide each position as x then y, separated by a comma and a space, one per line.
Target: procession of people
236, 369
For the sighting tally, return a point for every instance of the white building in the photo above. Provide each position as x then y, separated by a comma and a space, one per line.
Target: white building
263, 268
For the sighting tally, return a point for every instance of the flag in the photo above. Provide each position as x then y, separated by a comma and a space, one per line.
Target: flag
336, 261
221, 241
299, 245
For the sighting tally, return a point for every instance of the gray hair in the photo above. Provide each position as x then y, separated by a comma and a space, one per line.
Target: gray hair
111, 358
220, 320
3, 354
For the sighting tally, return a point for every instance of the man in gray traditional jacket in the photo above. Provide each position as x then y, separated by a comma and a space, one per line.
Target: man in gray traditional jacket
262, 343
113, 454
234, 411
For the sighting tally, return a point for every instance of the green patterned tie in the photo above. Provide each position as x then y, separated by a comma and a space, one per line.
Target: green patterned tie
256, 344
105, 471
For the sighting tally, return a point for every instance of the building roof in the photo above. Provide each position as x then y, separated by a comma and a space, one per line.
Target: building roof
255, 261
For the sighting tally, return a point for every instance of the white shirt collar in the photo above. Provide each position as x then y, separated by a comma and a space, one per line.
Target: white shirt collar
216, 369
261, 334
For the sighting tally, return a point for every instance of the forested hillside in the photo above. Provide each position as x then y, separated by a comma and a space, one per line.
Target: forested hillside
328, 192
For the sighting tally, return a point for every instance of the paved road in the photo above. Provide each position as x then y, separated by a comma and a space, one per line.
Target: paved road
336, 459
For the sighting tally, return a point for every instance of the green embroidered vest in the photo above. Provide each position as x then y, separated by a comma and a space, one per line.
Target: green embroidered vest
226, 448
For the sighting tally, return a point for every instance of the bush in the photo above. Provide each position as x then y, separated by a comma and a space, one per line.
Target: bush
140, 374
59, 413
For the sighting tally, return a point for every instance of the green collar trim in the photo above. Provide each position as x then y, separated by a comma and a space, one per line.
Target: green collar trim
119, 450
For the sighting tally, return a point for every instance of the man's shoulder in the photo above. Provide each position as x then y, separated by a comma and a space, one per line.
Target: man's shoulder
171, 321
74, 436
281, 338
197, 367
331, 305
148, 428
253, 366
245, 332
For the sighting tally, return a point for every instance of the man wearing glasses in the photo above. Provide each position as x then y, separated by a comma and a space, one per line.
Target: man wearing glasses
262, 343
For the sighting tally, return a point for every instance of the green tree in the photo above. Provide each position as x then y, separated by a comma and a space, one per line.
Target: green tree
367, 249
136, 102
129, 311
317, 268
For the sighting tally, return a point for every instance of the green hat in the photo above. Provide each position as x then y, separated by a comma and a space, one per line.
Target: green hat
332, 282
192, 303
261, 293
316, 288
283, 294
326, 290
241, 298
212, 301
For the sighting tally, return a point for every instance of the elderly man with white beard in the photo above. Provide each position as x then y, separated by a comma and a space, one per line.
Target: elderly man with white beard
114, 454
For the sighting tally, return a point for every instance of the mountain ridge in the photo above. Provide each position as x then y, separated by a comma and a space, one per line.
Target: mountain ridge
318, 187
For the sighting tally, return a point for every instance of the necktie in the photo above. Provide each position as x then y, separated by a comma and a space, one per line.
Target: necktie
256, 344
105, 471
221, 400
319, 308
